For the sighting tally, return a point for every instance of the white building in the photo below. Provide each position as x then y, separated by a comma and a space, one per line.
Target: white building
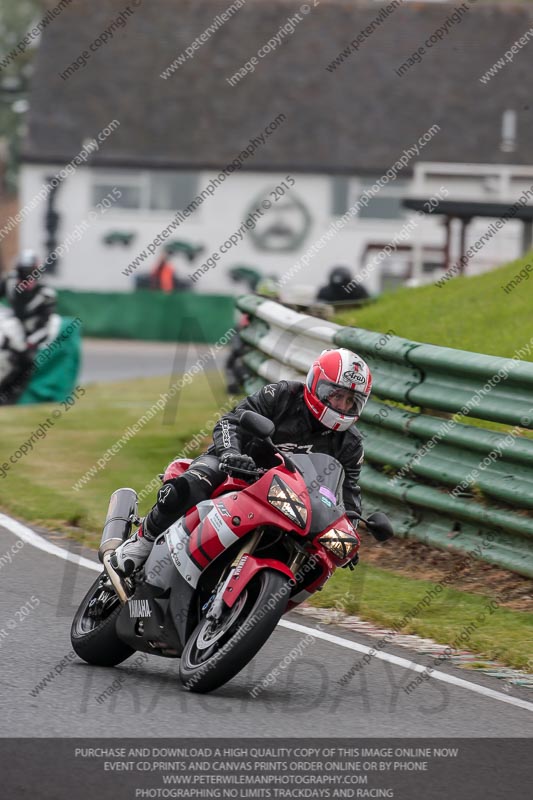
162, 139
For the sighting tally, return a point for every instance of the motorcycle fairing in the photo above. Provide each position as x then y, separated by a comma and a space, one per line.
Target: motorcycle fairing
209, 535
143, 622
192, 551
164, 582
245, 570
177, 541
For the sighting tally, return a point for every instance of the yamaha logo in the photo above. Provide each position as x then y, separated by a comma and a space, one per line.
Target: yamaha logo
139, 608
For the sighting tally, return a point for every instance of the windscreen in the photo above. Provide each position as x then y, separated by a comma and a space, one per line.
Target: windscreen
324, 477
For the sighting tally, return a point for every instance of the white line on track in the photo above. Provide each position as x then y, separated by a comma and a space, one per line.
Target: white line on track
403, 662
30, 537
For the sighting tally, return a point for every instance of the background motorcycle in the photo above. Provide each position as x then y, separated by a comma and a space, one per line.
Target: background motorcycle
219, 579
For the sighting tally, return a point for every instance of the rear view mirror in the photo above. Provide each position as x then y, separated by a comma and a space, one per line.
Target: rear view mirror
256, 424
379, 525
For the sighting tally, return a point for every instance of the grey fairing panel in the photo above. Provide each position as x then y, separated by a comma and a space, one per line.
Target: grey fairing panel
161, 571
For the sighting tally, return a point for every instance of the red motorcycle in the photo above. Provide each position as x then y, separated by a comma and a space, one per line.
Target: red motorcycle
219, 579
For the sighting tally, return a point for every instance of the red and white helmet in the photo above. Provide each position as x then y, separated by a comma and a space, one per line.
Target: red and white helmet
337, 374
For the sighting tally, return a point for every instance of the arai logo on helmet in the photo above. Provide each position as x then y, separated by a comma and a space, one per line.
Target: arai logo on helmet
354, 377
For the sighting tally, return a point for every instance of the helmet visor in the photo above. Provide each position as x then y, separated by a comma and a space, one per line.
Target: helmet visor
344, 401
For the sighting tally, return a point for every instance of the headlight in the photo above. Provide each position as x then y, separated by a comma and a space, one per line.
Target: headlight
284, 499
340, 543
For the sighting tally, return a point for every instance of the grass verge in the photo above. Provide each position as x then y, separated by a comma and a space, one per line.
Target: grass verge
39, 486
468, 313
460, 619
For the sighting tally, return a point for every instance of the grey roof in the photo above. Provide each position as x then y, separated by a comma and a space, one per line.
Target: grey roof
356, 118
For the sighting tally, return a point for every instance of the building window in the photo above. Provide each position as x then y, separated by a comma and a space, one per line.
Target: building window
147, 191
339, 195
130, 196
385, 204
172, 191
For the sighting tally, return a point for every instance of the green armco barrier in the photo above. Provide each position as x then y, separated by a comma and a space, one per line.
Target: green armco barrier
395, 437
422, 497
426, 427
425, 514
448, 484
447, 380
56, 366
155, 316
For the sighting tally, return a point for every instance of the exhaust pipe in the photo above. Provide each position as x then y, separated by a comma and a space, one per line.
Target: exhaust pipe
121, 514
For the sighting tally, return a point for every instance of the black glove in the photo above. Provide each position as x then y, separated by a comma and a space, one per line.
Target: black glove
353, 563
232, 460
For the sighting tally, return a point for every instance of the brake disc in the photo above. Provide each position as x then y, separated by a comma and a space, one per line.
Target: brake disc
211, 631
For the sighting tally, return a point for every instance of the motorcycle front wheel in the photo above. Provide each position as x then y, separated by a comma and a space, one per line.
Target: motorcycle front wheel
93, 633
216, 652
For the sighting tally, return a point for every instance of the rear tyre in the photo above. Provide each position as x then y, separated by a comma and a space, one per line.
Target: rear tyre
215, 653
93, 633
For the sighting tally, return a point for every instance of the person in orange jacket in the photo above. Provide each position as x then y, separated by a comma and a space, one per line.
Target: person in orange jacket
162, 276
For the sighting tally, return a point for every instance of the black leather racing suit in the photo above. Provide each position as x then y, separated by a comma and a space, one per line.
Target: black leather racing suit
296, 429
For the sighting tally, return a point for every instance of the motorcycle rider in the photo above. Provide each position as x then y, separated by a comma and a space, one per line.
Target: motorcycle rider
342, 287
317, 416
32, 304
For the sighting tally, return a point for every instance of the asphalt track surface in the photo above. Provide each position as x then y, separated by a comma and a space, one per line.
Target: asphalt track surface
305, 701
116, 359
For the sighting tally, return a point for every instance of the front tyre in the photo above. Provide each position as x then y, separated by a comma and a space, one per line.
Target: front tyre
93, 633
216, 652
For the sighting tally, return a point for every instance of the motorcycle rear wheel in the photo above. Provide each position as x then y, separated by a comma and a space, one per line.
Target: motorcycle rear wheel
93, 633
203, 667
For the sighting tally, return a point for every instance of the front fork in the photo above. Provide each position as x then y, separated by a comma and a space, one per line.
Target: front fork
217, 606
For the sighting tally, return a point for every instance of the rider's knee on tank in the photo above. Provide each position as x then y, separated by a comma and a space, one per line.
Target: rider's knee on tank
173, 499
178, 495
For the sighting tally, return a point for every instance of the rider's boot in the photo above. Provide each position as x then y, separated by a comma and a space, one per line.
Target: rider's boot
172, 502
